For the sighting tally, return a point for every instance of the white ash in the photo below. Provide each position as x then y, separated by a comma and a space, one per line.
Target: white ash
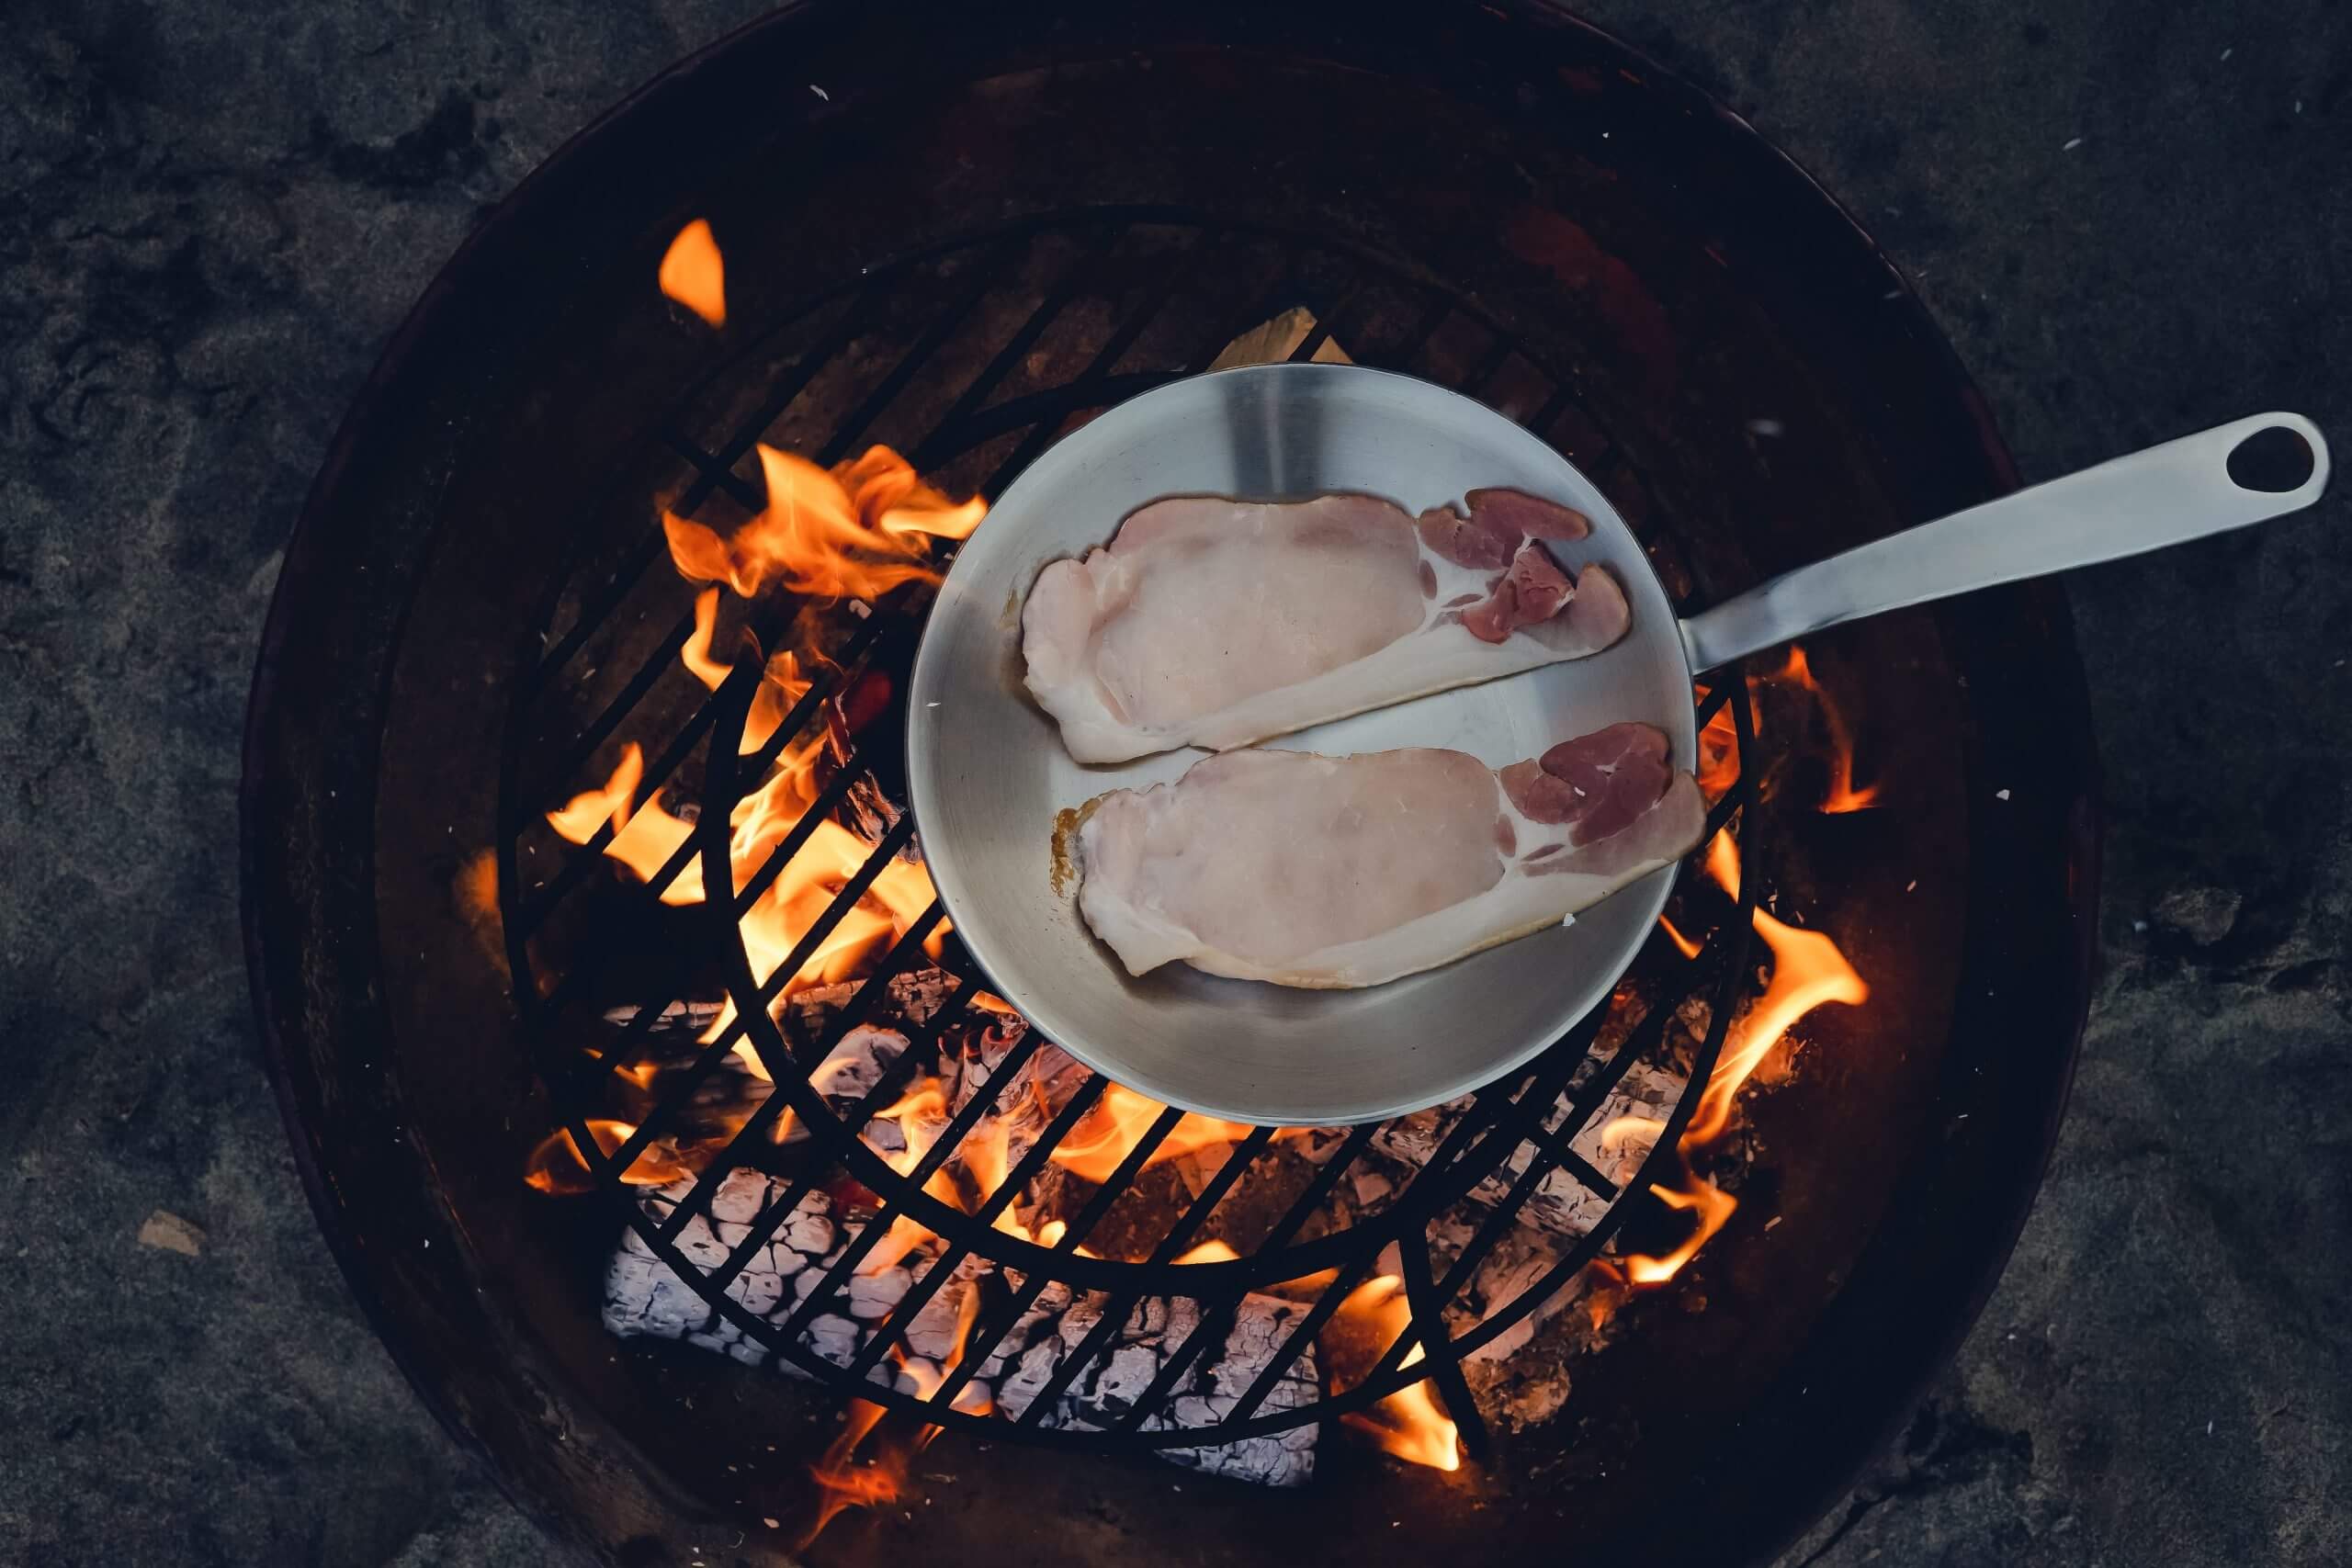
693, 1015
907, 999
644, 1297
1371, 1187
857, 1062
849, 1072
1560, 1203
1197, 1167
1317, 1145
1510, 1268
1055, 1324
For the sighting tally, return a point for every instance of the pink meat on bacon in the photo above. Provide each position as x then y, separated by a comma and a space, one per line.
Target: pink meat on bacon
1529, 517
1492, 619
1479, 543
1541, 586
1596, 784
1530, 594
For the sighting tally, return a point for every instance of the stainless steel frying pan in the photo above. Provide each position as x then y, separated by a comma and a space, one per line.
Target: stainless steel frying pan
987, 771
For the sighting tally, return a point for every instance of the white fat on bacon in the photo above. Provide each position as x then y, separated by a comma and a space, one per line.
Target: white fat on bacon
1337, 872
1208, 622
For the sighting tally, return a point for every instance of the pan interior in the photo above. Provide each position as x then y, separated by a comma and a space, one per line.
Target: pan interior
988, 772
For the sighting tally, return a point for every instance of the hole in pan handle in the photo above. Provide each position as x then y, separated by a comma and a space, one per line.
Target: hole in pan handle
2207, 483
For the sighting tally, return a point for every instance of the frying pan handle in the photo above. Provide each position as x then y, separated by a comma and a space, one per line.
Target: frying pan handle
2167, 495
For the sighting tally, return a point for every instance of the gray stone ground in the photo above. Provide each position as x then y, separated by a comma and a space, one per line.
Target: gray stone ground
211, 215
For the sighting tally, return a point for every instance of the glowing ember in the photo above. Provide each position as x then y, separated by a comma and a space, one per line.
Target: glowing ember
854, 533
1407, 1422
693, 275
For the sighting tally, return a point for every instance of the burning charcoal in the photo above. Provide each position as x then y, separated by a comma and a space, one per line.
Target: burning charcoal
1508, 1271
857, 1063
1525, 1391
1269, 343
1618, 1136
1056, 1325
691, 1016
1317, 1145
643, 1297
871, 1296
909, 998
866, 811
1022, 1108
1046, 1079
1199, 1167
1560, 1203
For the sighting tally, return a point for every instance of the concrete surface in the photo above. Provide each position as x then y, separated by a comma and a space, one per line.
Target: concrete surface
2129, 217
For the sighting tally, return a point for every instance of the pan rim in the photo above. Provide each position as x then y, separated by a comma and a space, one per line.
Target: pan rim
1598, 982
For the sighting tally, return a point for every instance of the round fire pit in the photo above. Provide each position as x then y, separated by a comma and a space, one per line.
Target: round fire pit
958, 238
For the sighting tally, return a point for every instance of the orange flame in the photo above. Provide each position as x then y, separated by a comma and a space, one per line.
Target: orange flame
921, 1115
1683, 944
1843, 796
695, 655
692, 274
854, 533
1715, 1206
864, 528
840, 1485
644, 837
555, 1165
1117, 1124
1407, 1422
1808, 970
1722, 861
1210, 1251
985, 1154
802, 892
1718, 755
882, 1478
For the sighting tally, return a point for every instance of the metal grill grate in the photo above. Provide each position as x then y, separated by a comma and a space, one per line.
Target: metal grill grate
1383, 316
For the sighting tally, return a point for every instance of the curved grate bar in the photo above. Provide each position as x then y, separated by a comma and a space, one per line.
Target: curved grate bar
1523, 1113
